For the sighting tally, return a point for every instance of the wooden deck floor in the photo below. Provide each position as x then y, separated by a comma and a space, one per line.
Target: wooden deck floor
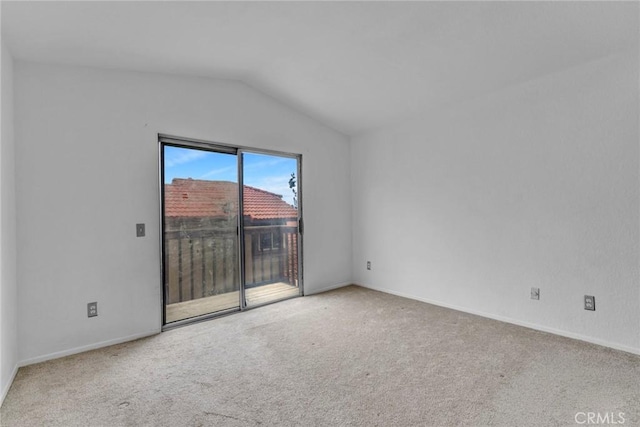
255, 296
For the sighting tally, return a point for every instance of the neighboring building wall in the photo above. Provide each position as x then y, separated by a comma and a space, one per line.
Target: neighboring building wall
87, 172
8, 273
533, 186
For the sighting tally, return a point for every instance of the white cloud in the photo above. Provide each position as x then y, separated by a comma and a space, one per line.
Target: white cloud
267, 162
219, 171
183, 156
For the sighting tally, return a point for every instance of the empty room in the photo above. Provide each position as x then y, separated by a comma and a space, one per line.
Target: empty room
320, 213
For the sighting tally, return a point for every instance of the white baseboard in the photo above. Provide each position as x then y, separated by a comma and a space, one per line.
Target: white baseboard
82, 349
328, 288
94, 346
7, 386
534, 326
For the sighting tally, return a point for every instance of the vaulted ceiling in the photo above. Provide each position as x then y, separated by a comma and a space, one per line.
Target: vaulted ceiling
354, 66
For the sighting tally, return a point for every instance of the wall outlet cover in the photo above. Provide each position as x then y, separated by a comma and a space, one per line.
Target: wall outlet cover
92, 309
590, 302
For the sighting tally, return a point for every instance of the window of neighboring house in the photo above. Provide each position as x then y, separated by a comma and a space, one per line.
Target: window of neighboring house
270, 241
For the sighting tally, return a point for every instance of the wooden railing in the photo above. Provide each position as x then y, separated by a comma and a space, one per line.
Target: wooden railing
203, 263
279, 263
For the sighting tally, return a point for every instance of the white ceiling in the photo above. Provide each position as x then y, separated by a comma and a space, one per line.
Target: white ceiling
351, 65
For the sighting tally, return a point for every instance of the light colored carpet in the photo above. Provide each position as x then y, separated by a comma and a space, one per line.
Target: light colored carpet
351, 357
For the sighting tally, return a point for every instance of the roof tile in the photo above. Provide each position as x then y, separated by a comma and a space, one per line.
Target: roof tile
200, 198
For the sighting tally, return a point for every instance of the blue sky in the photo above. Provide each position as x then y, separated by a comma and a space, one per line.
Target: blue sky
270, 173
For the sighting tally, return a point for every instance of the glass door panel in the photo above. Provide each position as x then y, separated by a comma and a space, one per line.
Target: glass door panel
270, 214
200, 220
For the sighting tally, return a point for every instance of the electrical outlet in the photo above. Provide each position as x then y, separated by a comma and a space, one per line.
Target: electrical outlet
139, 230
590, 302
368, 265
92, 309
535, 293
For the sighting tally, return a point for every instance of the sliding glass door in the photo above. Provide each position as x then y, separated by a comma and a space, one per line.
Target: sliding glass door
270, 216
201, 268
214, 259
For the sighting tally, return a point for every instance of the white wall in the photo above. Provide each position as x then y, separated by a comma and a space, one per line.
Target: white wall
534, 186
86, 163
8, 274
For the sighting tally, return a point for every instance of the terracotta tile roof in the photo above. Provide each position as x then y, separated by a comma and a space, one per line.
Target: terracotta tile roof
199, 198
